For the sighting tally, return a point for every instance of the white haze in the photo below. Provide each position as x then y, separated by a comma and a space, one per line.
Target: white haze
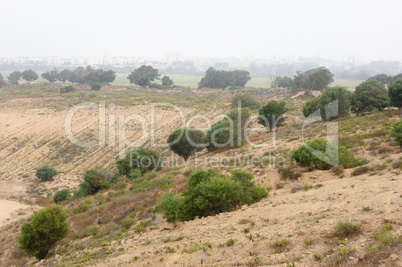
204, 28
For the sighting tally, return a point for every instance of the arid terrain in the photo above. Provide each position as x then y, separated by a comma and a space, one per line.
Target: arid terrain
287, 228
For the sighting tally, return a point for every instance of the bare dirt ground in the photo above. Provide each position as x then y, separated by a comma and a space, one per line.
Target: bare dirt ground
33, 134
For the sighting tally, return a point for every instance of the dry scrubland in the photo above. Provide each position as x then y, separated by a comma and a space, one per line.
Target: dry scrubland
285, 228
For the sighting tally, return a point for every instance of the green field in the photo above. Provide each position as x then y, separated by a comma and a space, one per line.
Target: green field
191, 81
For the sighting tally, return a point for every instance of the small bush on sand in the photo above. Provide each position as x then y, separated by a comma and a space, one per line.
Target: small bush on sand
345, 228
46, 173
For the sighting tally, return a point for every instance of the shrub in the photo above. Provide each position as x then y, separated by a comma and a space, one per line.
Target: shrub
342, 95
395, 93
67, 89
209, 194
345, 228
224, 133
96, 86
172, 207
270, 115
396, 132
43, 230
46, 173
369, 95
360, 170
61, 195
185, 141
337, 170
142, 159
310, 107
289, 172
305, 158
246, 100
95, 180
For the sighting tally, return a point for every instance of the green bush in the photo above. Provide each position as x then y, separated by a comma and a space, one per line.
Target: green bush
142, 159
306, 159
330, 95
96, 86
346, 228
396, 132
95, 180
395, 93
61, 195
269, 115
46, 173
369, 95
43, 230
310, 107
222, 134
243, 113
246, 100
185, 141
209, 194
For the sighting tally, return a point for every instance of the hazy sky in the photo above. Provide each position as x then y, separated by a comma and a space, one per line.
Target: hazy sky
204, 28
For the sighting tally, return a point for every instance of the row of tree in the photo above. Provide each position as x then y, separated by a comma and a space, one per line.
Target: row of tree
368, 96
80, 75
316, 79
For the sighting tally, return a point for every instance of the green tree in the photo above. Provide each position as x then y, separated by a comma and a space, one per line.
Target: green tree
142, 159
271, 115
222, 134
297, 81
246, 100
221, 79
95, 180
305, 158
317, 79
166, 81
29, 75
240, 116
395, 93
64, 75
44, 229
50, 75
396, 132
14, 77
342, 95
369, 95
209, 194
143, 76
185, 141
241, 77
311, 106
381, 78
46, 173
284, 82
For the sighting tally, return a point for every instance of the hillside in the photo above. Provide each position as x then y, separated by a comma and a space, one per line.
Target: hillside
287, 227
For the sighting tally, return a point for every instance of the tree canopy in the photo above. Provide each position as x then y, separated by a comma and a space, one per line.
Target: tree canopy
395, 93
29, 75
222, 79
50, 75
166, 81
143, 76
185, 141
369, 95
271, 114
43, 230
14, 77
